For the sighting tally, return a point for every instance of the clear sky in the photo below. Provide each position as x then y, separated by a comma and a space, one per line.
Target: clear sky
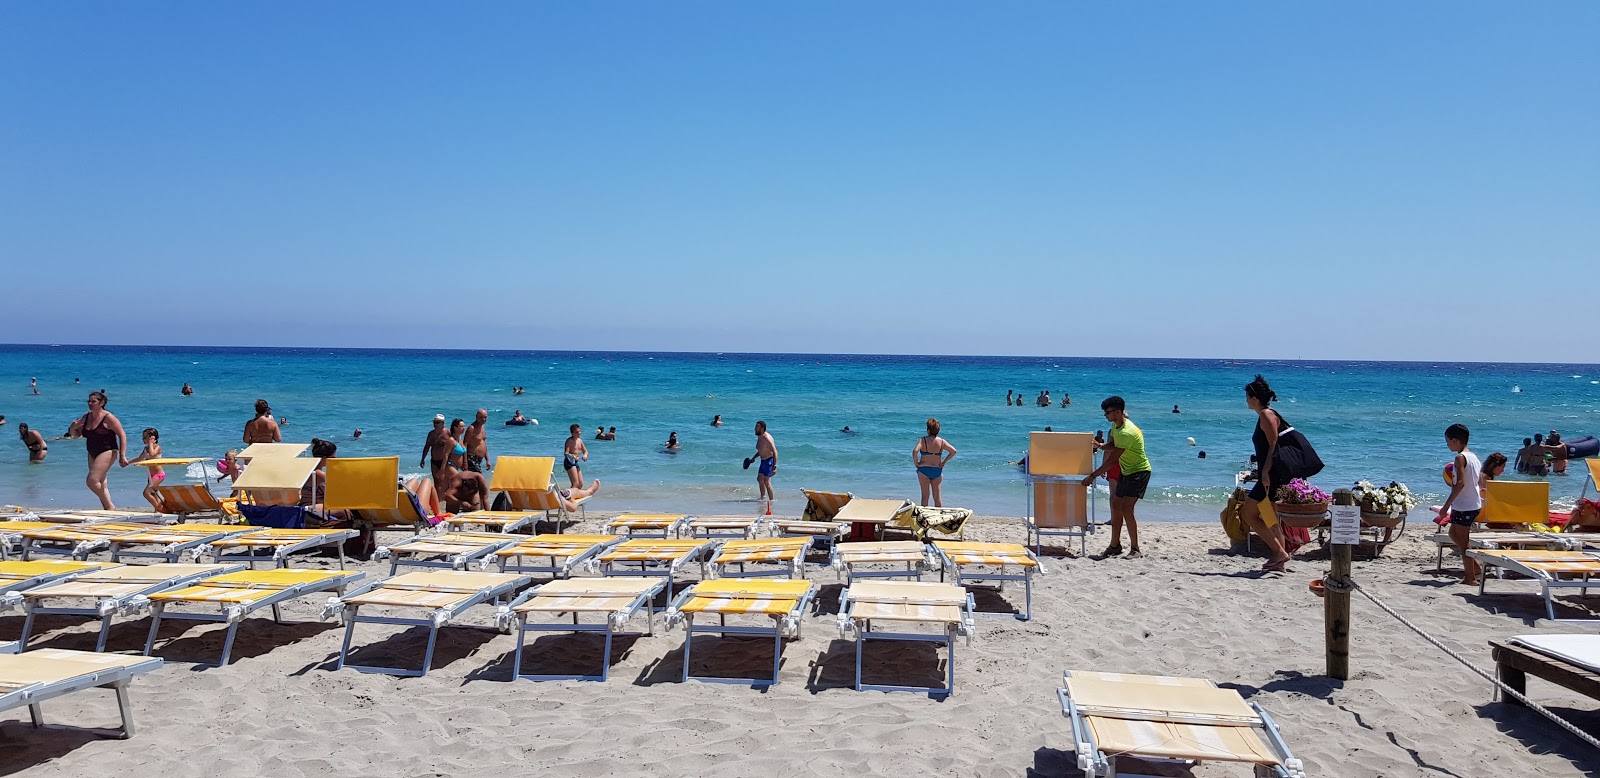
1319, 180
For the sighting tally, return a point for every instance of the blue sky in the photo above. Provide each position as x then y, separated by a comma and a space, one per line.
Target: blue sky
1316, 180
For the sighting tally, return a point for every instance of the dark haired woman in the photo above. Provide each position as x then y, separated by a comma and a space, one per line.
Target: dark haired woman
37, 448
262, 429
105, 442
1269, 428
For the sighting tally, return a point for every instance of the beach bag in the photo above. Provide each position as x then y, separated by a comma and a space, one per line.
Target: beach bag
1232, 522
1294, 458
275, 516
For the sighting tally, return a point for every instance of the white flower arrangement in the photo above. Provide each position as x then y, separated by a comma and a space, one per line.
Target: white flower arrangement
1394, 499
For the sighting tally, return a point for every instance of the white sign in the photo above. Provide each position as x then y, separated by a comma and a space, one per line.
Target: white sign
1347, 525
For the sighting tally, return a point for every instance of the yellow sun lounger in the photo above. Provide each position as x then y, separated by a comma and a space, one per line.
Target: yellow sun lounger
451, 551
1505, 539
1059, 505
38, 676
614, 600
275, 480
867, 518
175, 541
849, 558
947, 607
710, 527
11, 534
75, 541
1552, 569
823, 506
504, 522
1505, 503
1163, 719
368, 488
269, 450
443, 594
784, 602
655, 558
529, 491
187, 500
988, 562
817, 520
238, 595
648, 525
565, 553
16, 576
786, 555
102, 517
120, 590
280, 542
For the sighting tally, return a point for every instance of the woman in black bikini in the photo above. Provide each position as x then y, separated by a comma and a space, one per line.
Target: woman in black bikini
37, 448
102, 437
929, 457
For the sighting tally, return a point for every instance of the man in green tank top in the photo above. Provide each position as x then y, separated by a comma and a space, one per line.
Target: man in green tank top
1126, 448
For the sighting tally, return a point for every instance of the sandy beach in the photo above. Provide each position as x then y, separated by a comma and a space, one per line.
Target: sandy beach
1187, 608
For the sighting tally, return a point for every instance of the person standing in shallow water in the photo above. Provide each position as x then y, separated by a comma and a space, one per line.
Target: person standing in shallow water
262, 429
767, 453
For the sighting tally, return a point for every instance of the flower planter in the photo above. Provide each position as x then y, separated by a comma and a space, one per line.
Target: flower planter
1381, 520
1303, 515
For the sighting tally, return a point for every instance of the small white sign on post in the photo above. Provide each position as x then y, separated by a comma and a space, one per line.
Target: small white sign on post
1346, 525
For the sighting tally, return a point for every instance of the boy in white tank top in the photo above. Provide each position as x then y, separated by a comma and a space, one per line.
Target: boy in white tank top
1465, 501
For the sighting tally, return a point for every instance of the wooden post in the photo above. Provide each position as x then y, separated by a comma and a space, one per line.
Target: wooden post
1336, 612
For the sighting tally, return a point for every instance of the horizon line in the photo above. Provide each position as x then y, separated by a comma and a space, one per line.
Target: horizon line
688, 352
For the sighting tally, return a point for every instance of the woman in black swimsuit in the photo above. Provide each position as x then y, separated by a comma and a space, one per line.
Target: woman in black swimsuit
37, 448
106, 443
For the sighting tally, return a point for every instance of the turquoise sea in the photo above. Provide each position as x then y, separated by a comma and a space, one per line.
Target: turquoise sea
1373, 420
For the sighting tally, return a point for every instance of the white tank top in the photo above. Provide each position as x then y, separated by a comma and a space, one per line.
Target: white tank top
1470, 498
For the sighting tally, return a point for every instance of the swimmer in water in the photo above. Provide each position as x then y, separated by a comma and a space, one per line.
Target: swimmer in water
187, 389
38, 449
672, 442
716, 421
356, 434
847, 430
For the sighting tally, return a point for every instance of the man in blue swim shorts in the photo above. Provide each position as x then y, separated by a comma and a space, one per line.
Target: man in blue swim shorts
767, 452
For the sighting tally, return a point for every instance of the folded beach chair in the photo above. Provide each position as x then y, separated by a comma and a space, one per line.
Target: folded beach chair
817, 520
867, 518
75, 541
1592, 480
174, 541
189, 500
988, 562
273, 481
16, 576
281, 543
369, 487
564, 552
851, 559
239, 594
1552, 569
947, 607
648, 525
451, 551
709, 527
784, 602
613, 600
1059, 505
105, 594
1505, 503
1172, 720
655, 558
38, 676
442, 594
782, 557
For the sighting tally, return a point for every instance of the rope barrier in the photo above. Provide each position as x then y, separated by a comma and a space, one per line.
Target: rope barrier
1504, 689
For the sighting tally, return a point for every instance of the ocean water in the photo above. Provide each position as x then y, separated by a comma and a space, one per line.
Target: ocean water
1380, 421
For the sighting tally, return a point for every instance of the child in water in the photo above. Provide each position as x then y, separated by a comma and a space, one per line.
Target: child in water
152, 450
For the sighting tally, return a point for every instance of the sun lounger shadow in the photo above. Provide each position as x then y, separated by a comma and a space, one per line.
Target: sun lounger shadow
180, 641
826, 603
27, 747
991, 601
72, 633
559, 653
1319, 686
1529, 610
897, 663
723, 657
1538, 735
406, 648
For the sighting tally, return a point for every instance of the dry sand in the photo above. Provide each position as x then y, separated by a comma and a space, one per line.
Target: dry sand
1188, 608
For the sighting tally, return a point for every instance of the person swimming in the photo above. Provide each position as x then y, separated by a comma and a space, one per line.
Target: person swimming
672, 442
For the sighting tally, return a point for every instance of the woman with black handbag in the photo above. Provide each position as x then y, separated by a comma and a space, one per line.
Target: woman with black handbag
1283, 454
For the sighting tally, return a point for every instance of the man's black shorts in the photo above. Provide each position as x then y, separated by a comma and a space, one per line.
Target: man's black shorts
1133, 485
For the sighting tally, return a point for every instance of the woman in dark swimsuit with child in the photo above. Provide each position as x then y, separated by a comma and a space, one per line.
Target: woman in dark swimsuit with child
105, 442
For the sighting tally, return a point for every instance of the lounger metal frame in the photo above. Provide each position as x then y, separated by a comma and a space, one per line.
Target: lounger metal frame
399, 556
864, 633
105, 609
438, 618
1486, 539
710, 531
794, 568
234, 614
44, 579
523, 627
563, 570
1096, 764
116, 678
460, 521
280, 554
1546, 581
671, 531
103, 517
666, 569
722, 628
1001, 576
172, 552
72, 549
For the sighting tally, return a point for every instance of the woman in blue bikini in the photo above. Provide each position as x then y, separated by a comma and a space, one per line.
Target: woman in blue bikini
930, 456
